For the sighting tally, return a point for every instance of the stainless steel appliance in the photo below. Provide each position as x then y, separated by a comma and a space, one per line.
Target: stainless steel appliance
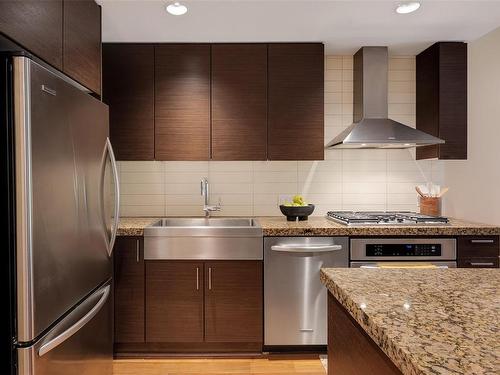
384, 218
403, 252
60, 194
372, 127
295, 301
203, 238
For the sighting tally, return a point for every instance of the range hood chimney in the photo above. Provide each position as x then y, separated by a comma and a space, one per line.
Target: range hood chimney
372, 128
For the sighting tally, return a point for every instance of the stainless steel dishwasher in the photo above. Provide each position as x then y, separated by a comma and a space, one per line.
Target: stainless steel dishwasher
295, 301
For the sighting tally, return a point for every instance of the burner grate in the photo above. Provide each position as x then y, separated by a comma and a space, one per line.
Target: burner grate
384, 218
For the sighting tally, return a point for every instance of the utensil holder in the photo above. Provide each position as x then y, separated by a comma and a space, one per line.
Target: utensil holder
430, 206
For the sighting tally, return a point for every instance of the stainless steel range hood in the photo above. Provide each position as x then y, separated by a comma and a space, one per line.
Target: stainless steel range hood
372, 128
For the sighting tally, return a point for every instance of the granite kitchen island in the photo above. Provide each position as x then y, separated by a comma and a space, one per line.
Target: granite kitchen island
413, 321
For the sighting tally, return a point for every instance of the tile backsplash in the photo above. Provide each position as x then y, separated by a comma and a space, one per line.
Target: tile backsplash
346, 179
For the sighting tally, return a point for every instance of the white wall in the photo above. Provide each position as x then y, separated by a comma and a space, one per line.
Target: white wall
346, 179
475, 183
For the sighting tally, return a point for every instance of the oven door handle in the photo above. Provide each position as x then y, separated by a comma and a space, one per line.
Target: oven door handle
374, 266
306, 249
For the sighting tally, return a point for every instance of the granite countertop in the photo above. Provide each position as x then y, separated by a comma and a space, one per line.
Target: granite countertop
439, 321
134, 226
321, 226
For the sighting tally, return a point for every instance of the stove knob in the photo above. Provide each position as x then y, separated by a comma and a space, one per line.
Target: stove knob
400, 220
385, 220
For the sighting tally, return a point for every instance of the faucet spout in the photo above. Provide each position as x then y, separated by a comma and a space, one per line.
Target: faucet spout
205, 193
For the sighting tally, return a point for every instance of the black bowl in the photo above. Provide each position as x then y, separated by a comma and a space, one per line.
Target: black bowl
294, 212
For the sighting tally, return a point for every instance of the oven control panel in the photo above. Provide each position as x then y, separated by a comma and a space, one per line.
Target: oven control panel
403, 250
418, 249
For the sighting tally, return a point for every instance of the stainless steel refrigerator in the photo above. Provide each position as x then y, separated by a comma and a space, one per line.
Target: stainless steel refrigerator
60, 198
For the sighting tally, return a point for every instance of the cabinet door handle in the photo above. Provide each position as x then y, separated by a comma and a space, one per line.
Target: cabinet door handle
481, 264
209, 278
482, 241
138, 251
197, 278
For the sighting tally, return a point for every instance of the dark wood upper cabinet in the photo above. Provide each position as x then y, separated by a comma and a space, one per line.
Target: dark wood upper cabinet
182, 102
239, 102
295, 94
174, 301
128, 88
219, 101
233, 301
35, 25
82, 42
129, 290
442, 99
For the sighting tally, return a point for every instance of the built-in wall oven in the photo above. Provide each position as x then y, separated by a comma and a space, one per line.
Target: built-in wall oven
403, 252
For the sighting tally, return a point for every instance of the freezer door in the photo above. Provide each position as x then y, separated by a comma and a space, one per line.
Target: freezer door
295, 308
80, 344
63, 245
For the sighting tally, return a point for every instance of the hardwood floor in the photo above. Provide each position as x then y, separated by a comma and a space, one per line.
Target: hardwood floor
217, 367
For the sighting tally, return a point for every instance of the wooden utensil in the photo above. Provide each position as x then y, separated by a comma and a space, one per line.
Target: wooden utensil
419, 191
443, 192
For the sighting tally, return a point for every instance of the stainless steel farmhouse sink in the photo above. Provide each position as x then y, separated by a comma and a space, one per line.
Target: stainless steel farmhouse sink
205, 222
204, 238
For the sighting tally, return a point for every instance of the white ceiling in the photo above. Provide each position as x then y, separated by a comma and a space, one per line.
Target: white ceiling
343, 26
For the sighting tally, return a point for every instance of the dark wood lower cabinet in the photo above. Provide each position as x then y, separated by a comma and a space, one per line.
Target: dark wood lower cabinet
129, 290
350, 350
478, 251
189, 306
174, 301
233, 301
478, 262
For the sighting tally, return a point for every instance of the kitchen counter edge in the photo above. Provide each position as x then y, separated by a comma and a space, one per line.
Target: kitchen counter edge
320, 226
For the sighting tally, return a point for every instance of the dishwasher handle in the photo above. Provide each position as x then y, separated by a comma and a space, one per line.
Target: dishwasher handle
306, 248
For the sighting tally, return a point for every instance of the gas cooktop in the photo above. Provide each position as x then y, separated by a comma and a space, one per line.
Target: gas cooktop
384, 218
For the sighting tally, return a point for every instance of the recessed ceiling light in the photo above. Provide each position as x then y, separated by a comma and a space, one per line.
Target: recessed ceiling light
405, 8
177, 9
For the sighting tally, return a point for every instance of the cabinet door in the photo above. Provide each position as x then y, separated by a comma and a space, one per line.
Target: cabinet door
174, 301
296, 124
129, 290
82, 42
35, 25
239, 102
128, 89
182, 102
478, 251
233, 301
441, 108
492, 262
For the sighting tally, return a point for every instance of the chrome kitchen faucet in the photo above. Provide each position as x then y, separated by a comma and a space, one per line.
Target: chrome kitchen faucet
205, 193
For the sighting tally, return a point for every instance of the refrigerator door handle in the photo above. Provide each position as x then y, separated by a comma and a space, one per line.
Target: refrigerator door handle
62, 337
117, 195
108, 152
